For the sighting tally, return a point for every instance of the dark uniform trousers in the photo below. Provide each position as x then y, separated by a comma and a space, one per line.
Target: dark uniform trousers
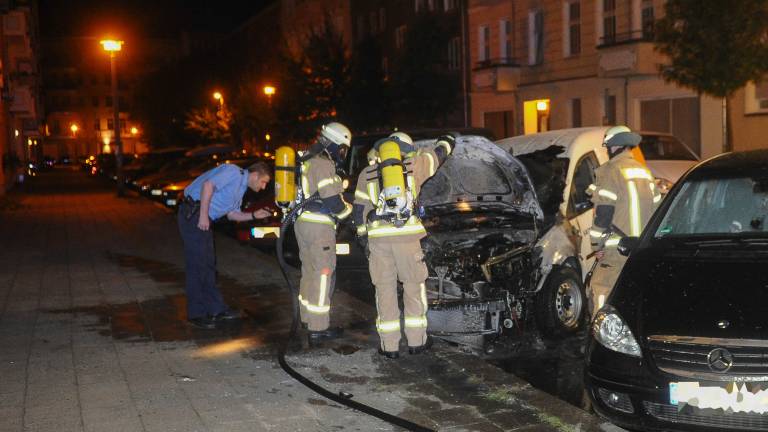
203, 298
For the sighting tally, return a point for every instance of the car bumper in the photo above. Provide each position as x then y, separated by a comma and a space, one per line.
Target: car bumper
637, 397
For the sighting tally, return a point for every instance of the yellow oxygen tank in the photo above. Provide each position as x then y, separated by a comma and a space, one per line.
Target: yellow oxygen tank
392, 178
285, 176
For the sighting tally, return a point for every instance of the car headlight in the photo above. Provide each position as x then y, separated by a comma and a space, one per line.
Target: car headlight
663, 185
613, 333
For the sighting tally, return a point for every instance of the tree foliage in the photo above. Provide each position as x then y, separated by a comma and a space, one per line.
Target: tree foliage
213, 126
715, 47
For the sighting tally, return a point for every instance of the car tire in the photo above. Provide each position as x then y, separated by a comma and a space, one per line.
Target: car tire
561, 304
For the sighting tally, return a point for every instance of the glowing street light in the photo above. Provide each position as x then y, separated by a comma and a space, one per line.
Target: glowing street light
542, 105
269, 90
134, 130
112, 47
74, 129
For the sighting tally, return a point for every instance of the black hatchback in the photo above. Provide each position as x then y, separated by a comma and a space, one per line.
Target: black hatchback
682, 342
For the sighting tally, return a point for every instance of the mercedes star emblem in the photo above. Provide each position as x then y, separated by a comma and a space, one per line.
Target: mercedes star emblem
720, 360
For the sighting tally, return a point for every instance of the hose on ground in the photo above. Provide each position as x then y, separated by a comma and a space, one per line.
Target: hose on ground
342, 398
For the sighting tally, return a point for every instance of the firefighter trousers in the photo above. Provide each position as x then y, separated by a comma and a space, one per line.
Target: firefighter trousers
388, 262
604, 278
317, 251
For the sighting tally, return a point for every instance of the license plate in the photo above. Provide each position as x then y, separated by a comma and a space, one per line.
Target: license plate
261, 232
738, 397
170, 202
342, 248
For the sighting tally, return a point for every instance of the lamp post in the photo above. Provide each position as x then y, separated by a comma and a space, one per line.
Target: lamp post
112, 47
269, 91
219, 97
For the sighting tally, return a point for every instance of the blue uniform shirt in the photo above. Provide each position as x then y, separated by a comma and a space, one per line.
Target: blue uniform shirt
230, 183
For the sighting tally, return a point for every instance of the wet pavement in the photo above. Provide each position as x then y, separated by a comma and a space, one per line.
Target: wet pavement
93, 337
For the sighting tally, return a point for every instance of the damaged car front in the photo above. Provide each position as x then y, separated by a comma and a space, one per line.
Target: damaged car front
485, 252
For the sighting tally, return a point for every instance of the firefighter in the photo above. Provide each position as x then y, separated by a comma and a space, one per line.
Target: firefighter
315, 228
389, 227
624, 196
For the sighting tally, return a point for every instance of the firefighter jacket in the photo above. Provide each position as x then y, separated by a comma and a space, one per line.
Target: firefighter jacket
318, 175
418, 168
625, 196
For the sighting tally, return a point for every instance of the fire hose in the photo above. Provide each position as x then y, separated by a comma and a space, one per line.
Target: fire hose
343, 398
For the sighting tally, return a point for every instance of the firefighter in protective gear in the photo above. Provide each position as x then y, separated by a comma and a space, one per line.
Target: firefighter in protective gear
394, 245
624, 196
315, 228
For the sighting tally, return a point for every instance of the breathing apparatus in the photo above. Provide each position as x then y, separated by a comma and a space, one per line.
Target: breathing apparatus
395, 202
289, 196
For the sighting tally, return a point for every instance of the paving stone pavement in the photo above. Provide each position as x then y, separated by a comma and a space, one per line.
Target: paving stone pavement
93, 337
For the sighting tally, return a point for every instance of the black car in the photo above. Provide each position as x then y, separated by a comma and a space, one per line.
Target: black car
682, 342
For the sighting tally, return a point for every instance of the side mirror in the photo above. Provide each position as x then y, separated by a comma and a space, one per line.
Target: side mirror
627, 244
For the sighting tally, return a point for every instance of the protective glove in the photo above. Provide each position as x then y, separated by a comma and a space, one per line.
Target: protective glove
447, 141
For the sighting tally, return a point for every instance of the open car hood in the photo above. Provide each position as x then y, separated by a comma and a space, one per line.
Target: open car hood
480, 177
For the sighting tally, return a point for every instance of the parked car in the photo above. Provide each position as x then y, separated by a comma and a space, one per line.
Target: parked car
667, 157
151, 162
682, 342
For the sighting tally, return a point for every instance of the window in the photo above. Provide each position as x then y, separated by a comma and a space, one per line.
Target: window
431, 4
123, 125
609, 21
385, 68
110, 124
97, 124
108, 101
449, 5
505, 40
454, 54
361, 28
373, 22
648, 20
419, 5
483, 43
576, 112
95, 101
122, 105
609, 104
574, 28
382, 19
400, 37
756, 97
535, 37
501, 123
583, 176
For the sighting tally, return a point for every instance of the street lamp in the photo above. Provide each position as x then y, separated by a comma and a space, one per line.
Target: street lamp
219, 97
269, 91
74, 129
112, 47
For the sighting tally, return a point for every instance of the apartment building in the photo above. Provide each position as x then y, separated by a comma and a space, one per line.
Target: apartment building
550, 64
20, 105
78, 93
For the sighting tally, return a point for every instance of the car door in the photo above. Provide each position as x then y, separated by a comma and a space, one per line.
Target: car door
579, 211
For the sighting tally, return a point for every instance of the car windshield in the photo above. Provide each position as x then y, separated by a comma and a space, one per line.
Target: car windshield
661, 147
721, 206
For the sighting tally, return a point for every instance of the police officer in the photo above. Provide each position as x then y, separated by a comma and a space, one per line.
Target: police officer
215, 194
394, 246
315, 228
625, 196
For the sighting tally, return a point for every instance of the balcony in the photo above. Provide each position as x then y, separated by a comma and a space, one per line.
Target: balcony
501, 75
625, 54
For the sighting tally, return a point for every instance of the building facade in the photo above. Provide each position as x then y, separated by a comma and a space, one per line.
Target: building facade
20, 104
552, 64
78, 94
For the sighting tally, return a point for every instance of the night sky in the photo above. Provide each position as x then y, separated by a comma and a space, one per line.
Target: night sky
147, 18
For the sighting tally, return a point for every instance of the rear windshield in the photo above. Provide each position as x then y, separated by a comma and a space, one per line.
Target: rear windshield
735, 205
664, 148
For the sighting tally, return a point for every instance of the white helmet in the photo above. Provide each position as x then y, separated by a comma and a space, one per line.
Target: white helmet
337, 133
621, 136
402, 136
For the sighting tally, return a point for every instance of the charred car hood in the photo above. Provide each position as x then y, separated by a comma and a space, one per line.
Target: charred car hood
689, 292
479, 184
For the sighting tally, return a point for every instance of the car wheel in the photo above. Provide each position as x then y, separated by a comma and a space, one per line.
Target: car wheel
561, 304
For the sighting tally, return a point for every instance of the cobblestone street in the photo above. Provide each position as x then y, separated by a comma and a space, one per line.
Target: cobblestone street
93, 337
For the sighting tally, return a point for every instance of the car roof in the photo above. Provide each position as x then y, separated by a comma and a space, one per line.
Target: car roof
211, 150
747, 162
574, 141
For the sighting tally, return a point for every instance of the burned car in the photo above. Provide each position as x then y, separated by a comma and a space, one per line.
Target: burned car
507, 247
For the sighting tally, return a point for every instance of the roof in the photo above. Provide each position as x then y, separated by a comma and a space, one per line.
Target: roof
754, 162
570, 139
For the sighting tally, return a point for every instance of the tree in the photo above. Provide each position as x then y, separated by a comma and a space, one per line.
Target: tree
425, 91
214, 126
715, 47
367, 104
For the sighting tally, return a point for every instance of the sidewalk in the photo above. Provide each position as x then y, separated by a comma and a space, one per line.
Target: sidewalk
93, 338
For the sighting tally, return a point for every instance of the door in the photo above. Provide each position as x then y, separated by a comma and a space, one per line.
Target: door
580, 213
